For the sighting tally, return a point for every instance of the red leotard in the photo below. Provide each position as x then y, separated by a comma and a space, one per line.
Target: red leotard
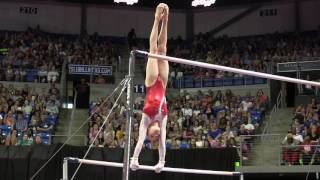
154, 97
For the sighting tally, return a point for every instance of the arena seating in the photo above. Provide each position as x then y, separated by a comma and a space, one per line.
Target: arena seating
191, 121
26, 113
300, 143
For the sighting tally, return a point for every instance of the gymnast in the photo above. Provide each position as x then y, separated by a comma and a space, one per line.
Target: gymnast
154, 117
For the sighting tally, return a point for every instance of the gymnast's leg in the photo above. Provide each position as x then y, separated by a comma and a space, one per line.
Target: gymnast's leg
163, 66
152, 71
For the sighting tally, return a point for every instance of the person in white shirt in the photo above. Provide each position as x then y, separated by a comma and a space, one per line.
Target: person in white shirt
246, 104
27, 108
297, 137
187, 111
42, 73
249, 127
53, 75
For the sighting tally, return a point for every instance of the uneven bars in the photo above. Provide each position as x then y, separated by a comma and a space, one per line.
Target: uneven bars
225, 68
152, 168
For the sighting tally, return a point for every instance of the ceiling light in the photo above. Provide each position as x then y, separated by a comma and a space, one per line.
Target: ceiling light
128, 2
204, 3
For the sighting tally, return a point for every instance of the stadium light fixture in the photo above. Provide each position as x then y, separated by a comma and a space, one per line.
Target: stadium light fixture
205, 3
128, 2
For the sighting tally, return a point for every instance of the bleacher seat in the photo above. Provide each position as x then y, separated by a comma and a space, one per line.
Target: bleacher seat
5, 130
255, 116
218, 82
188, 82
238, 81
227, 81
248, 80
52, 119
45, 138
177, 83
184, 146
31, 75
258, 80
208, 82
198, 83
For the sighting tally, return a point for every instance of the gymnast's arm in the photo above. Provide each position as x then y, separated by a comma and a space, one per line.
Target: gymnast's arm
144, 124
162, 145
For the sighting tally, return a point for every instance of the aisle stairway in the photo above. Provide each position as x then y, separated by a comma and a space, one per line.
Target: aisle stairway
266, 150
69, 123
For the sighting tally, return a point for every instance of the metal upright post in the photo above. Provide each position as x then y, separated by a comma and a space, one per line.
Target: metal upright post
65, 169
126, 157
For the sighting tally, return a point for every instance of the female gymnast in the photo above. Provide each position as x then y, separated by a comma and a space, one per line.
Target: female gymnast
154, 117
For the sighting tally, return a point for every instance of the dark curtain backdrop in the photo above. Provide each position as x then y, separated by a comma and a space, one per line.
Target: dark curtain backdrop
21, 162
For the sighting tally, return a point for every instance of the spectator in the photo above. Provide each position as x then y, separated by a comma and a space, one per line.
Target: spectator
306, 152
43, 73
38, 139
12, 138
248, 126
314, 134
132, 38
9, 73
21, 125
26, 140
93, 132
174, 144
214, 132
54, 91
52, 108
290, 149
43, 125
8, 119
52, 75
83, 92
27, 108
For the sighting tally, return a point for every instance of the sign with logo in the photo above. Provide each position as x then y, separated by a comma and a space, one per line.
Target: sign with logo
90, 69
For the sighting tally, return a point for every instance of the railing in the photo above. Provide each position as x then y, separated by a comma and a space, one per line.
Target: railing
276, 107
191, 82
64, 81
267, 150
300, 155
262, 149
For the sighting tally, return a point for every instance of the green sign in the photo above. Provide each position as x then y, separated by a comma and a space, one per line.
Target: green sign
298, 66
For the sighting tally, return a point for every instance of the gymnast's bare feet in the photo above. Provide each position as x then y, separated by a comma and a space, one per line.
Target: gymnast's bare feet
165, 14
160, 11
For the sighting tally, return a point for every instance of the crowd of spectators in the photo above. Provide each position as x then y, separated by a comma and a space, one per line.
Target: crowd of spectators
28, 116
300, 144
36, 56
253, 53
201, 120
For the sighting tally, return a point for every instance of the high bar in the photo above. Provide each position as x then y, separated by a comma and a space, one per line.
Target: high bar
152, 168
225, 68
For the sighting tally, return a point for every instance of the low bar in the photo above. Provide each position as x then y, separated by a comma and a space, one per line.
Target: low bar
152, 168
224, 68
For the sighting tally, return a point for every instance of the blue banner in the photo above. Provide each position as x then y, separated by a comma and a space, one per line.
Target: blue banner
88, 69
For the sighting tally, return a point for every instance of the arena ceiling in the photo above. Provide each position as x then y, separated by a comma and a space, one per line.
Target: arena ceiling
175, 4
